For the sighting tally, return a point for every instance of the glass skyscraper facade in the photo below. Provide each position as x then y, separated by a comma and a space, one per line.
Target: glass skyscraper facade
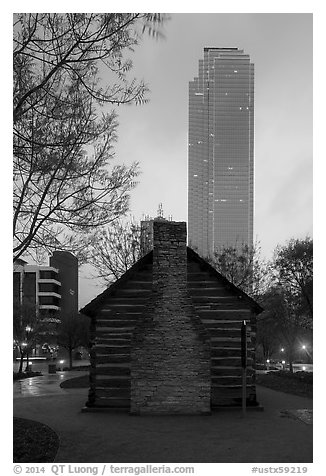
221, 151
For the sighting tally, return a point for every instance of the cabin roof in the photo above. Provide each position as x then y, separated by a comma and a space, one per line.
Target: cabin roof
96, 304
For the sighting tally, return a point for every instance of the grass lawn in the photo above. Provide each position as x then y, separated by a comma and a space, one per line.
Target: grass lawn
34, 442
76, 382
21, 375
298, 383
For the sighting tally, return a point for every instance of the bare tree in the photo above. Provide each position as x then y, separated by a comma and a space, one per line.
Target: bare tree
114, 250
64, 183
242, 266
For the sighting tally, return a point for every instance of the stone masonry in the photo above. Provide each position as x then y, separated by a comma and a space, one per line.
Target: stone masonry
170, 350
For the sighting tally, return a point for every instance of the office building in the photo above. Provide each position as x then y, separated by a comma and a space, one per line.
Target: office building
37, 286
221, 151
67, 265
50, 292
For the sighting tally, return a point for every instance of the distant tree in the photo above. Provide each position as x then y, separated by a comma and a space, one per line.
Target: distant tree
73, 332
114, 250
28, 329
243, 267
284, 320
267, 338
292, 266
64, 183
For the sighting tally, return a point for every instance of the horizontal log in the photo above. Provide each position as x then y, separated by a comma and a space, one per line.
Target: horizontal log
113, 382
224, 331
229, 361
121, 299
110, 370
229, 371
113, 358
229, 381
115, 333
111, 403
121, 323
123, 393
108, 314
228, 352
105, 350
110, 342
133, 291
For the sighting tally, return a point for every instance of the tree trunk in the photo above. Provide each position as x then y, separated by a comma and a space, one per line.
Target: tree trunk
70, 358
21, 362
27, 363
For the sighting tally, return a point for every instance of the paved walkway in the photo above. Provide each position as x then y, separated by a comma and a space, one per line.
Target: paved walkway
282, 433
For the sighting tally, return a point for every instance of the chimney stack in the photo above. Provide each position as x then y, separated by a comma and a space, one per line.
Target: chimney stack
170, 352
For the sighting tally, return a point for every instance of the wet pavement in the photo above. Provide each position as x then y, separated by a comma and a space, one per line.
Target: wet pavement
44, 385
219, 438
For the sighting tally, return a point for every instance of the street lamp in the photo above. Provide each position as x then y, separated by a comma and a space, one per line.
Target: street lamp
28, 329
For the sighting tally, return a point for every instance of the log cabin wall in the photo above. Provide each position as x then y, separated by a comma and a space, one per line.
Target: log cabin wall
222, 308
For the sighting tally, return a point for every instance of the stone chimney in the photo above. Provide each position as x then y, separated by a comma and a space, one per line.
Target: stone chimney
170, 351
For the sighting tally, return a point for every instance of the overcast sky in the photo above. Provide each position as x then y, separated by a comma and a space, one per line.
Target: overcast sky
155, 134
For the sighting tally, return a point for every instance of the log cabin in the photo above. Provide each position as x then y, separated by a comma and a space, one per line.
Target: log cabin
166, 336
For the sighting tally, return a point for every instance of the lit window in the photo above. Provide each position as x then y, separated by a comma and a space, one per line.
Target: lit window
195, 175
240, 108
199, 94
235, 70
226, 94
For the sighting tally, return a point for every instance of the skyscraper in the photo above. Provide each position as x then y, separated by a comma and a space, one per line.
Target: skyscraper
221, 151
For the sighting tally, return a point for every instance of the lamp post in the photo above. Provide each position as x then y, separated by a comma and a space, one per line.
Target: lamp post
28, 330
244, 365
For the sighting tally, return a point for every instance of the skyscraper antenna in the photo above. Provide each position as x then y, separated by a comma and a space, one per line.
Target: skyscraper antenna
160, 211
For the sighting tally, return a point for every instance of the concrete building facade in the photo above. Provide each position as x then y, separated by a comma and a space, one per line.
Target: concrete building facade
221, 151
